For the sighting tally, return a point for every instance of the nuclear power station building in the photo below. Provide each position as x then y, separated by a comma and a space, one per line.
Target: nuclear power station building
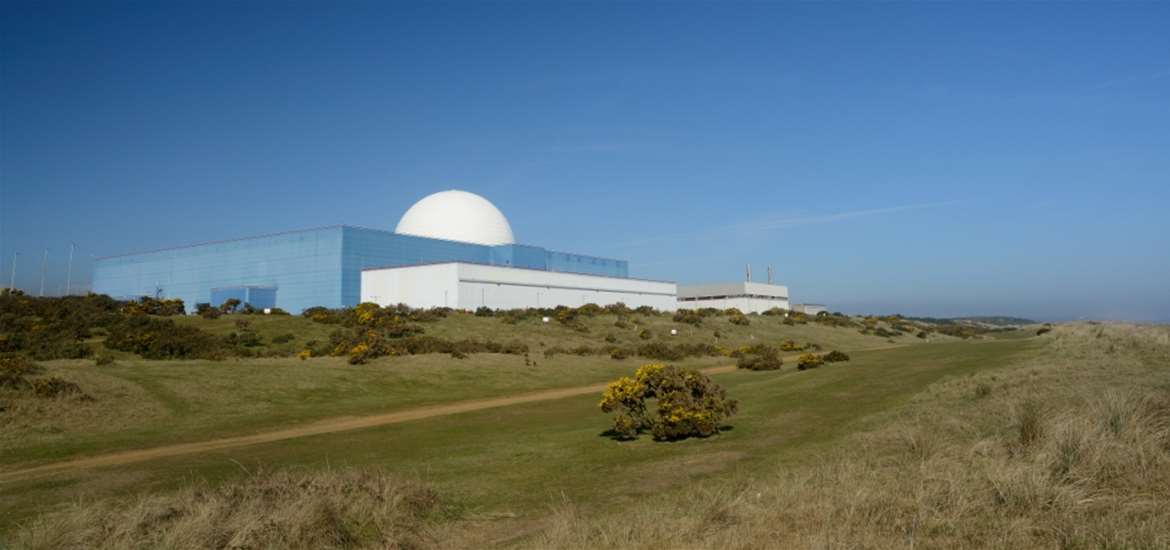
452, 249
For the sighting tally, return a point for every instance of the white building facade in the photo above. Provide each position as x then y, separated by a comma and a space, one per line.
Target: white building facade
745, 296
810, 309
468, 286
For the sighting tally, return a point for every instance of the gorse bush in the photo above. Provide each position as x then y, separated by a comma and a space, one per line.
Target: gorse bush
162, 339
790, 345
360, 346
685, 403
809, 361
153, 306
53, 328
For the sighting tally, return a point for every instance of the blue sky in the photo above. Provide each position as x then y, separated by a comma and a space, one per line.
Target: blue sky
923, 158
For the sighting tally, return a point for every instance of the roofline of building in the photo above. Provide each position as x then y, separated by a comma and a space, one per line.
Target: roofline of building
335, 226
379, 268
207, 243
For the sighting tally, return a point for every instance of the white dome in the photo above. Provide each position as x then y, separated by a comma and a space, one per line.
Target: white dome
456, 216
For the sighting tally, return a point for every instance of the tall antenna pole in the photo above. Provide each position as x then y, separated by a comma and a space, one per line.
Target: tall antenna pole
12, 280
749, 273
69, 271
44, 262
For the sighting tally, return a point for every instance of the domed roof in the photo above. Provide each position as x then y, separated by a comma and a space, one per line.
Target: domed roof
456, 216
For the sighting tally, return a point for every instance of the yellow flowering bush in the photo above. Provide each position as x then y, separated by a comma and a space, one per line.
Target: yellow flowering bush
809, 361
686, 403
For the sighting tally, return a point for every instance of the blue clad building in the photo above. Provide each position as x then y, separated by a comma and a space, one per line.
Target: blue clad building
296, 270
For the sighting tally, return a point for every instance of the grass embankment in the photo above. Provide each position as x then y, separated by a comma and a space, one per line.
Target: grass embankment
140, 404
499, 470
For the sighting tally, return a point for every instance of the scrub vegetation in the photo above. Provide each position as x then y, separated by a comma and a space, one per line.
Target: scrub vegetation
982, 438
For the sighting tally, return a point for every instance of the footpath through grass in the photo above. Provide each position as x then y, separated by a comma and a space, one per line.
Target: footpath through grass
515, 461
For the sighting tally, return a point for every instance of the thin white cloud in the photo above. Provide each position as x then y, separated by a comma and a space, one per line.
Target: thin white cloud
780, 222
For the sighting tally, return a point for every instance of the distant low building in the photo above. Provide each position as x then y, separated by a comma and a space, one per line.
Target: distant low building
809, 309
745, 296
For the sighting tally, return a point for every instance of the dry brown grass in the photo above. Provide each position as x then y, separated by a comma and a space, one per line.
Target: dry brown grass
1069, 451
326, 509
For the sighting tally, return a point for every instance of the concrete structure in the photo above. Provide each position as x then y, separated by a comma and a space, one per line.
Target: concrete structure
809, 309
468, 286
745, 296
323, 267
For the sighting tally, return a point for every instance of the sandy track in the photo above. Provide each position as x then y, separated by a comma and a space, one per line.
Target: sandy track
332, 425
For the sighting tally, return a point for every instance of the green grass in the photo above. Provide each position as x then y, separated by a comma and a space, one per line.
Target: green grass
141, 403
516, 461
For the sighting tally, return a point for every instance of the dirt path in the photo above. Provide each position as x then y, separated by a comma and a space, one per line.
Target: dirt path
331, 425
327, 426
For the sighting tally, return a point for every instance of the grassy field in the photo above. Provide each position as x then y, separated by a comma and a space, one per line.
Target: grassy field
498, 471
139, 403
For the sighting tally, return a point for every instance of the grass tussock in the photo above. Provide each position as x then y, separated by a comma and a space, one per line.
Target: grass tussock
267, 510
1071, 450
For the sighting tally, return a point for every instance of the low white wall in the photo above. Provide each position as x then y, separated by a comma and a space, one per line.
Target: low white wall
422, 286
469, 286
746, 305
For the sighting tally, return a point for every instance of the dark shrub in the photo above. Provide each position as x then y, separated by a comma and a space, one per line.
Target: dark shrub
775, 312
982, 390
621, 323
759, 357
609, 338
836, 356
229, 306
645, 310
283, 338
740, 319
207, 312
13, 370
104, 360
53, 387
619, 353
483, 311
645, 334
688, 316
620, 309
162, 339
1043, 330
589, 310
